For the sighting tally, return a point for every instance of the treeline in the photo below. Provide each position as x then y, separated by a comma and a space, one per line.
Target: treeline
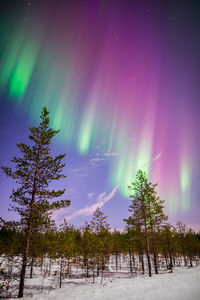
90, 248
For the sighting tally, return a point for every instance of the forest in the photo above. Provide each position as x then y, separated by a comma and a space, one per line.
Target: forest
148, 244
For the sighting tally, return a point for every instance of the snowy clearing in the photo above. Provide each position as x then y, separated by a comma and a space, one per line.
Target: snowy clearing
183, 284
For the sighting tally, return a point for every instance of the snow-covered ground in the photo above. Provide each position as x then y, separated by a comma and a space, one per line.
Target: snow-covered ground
183, 284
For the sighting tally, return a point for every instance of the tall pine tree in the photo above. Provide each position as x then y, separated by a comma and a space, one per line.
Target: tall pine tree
147, 213
34, 171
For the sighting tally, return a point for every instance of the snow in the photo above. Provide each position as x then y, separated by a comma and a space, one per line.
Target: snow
183, 284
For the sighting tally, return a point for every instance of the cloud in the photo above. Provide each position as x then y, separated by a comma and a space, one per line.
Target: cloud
111, 154
76, 170
95, 160
90, 195
157, 157
89, 210
97, 147
80, 172
153, 159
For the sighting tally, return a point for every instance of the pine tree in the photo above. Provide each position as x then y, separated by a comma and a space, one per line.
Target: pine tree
66, 248
117, 245
167, 245
88, 249
34, 171
100, 227
181, 233
147, 212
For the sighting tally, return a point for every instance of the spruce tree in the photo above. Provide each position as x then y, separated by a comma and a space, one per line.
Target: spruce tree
34, 171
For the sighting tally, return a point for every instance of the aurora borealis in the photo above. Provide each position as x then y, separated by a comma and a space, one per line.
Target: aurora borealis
121, 80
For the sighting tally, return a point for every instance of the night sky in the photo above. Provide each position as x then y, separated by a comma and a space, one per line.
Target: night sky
122, 81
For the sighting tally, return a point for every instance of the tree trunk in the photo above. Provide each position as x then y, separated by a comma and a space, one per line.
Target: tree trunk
93, 276
87, 269
31, 270
155, 258
133, 258
69, 268
148, 251
191, 262
148, 255
185, 260
24, 262
141, 259
50, 266
102, 269
22, 276
170, 256
130, 262
147, 241
30, 223
154, 253
174, 260
166, 261
116, 260
102, 266
155, 263
149, 264
98, 269
41, 264
61, 262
